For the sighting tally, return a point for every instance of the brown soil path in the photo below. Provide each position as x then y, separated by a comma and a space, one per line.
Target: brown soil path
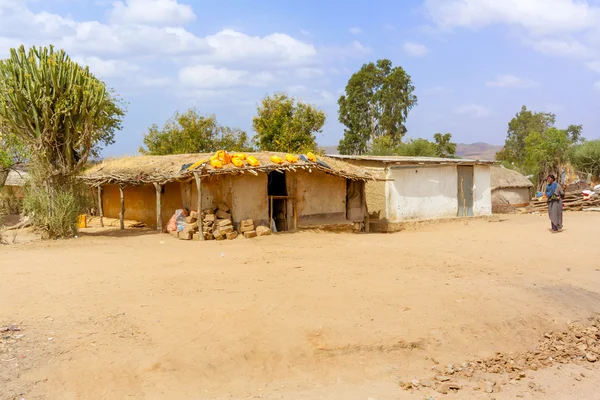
298, 316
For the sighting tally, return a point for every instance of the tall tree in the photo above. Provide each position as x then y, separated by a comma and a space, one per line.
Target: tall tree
377, 102
520, 127
61, 113
546, 152
56, 107
284, 124
190, 132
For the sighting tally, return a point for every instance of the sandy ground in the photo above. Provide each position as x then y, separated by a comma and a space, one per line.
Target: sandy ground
115, 315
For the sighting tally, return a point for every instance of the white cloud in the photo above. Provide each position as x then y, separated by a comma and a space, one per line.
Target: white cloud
308, 73
230, 46
355, 31
566, 47
415, 49
594, 65
211, 77
597, 85
159, 12
305, 32
472, 110
107, 68
511, 81
554, 27
536, 16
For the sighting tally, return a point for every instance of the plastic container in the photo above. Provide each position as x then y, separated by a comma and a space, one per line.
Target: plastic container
276, 159
291, 158
252, 161
82, 221
237, 162
311, 157
217, 164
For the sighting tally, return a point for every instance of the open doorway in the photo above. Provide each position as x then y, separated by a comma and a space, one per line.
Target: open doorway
277, 191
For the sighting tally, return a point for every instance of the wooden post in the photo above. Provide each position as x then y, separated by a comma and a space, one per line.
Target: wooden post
122, 213
367, 218
295, 214
100, 209
158, 188
199, 203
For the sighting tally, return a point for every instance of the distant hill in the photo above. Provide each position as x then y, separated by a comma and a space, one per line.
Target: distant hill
478, 151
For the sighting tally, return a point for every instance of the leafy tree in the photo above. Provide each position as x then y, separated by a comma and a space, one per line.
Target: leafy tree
520, 127
377, 102
190, 132
586, 157
444, 145
546, 152
286, 125
61, 113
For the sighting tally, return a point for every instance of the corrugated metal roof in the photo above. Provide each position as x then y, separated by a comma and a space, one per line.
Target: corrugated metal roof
411, 160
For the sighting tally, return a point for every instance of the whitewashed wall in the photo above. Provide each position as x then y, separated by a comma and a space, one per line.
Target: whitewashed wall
422, 193
482, 191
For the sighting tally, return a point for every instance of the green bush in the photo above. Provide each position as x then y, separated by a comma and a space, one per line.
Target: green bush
586, 157
55, 213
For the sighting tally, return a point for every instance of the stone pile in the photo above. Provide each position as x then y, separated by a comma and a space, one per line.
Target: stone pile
579, 344
217, 224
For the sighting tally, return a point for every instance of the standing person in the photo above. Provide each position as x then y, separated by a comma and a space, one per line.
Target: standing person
555, 194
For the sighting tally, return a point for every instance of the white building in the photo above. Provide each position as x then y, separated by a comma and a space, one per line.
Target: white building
423, 188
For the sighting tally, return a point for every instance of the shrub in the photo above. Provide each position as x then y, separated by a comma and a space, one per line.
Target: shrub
55, 213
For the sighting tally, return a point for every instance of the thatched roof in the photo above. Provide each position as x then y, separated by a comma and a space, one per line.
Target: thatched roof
139, 170
508, 178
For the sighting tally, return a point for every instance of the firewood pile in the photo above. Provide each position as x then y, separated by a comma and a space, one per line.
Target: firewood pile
573, 201
217, 224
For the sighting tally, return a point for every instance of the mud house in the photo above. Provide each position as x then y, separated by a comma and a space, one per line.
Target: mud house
423, 188
510, 187
295, 195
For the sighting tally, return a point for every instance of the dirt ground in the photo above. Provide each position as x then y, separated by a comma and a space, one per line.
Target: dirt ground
114, 315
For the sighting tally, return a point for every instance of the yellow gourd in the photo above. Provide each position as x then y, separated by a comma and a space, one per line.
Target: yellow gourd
291, 158
252, 161
241, 156
237, 162
311, 157
216, 164
277, 159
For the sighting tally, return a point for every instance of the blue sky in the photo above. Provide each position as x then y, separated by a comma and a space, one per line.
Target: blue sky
474, 62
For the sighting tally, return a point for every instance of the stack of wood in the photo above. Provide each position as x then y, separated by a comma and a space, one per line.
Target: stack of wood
190, 228
573, 201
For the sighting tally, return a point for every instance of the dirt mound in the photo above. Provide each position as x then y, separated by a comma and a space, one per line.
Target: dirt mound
579, 344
